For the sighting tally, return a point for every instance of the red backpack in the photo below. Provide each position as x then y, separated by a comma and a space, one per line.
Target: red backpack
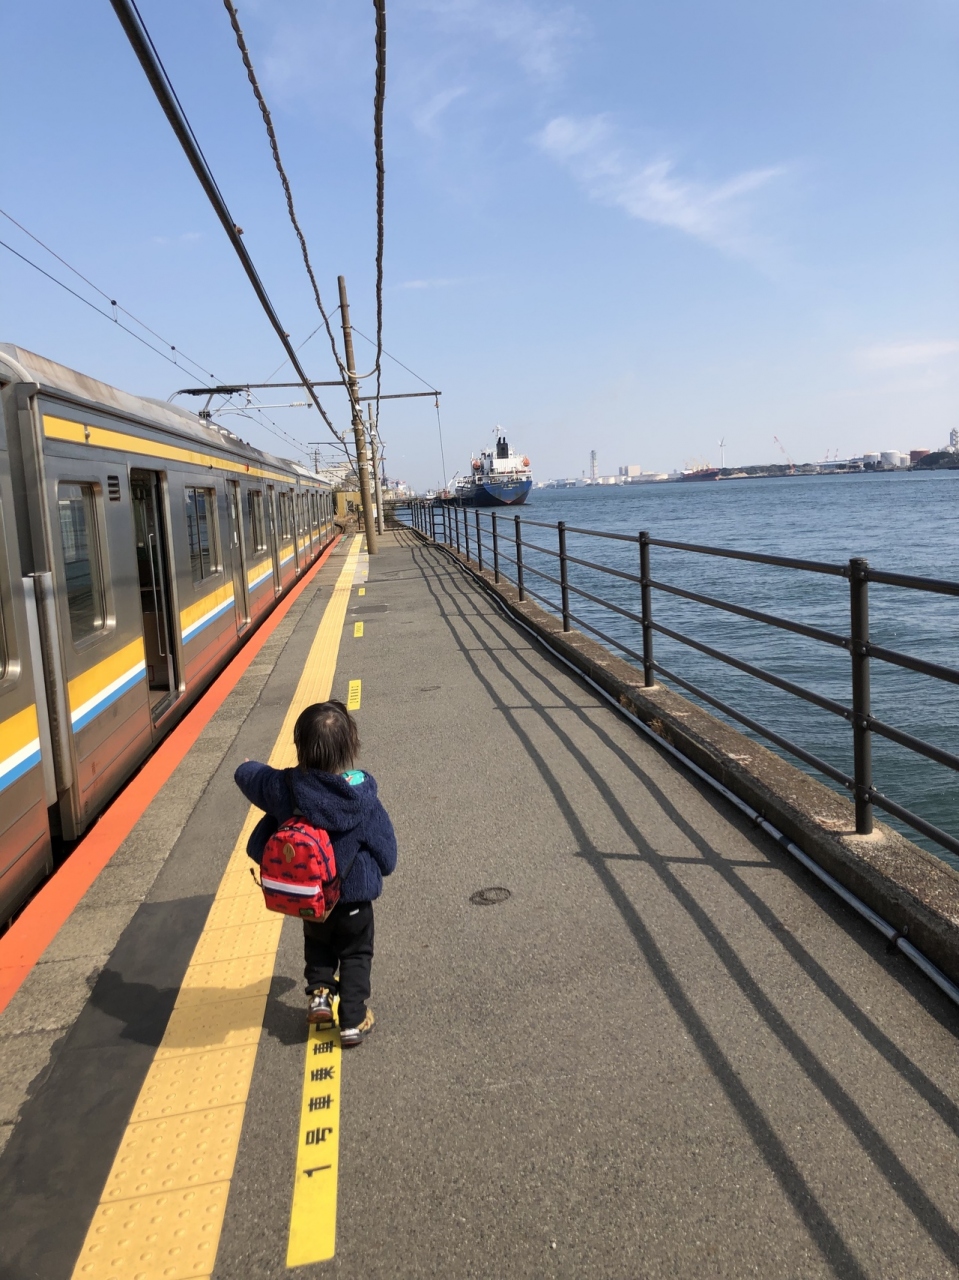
298, 872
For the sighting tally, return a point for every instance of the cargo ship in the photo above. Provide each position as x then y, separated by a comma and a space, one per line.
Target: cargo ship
498, 478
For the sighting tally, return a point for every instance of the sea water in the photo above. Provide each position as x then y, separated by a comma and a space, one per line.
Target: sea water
904, 522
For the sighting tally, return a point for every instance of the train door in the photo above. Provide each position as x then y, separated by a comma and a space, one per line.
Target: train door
274, 537
153, 568
241, 595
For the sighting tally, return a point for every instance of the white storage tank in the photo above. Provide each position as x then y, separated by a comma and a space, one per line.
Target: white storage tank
890, 459
871, 459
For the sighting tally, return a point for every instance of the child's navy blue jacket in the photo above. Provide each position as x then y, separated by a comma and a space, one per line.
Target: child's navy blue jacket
351, 814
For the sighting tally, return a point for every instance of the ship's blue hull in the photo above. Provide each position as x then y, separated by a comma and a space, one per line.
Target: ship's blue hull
495, 493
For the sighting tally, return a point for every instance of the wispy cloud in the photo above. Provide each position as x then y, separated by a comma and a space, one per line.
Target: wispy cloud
439, 282
907, 355
426, 116
539, 37
651, 190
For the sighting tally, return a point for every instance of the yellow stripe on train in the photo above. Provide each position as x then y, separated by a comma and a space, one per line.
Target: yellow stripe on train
196, 616
259, 574
103, 438
19, 745
96, 688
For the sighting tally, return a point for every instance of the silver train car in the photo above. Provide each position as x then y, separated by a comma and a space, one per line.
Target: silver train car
139, 545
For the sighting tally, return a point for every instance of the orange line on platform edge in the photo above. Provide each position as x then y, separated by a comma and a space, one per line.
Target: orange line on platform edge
38, 924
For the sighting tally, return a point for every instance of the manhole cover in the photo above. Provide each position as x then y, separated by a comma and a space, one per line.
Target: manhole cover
489, 897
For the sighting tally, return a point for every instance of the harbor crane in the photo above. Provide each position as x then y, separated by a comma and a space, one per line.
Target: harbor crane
782, 449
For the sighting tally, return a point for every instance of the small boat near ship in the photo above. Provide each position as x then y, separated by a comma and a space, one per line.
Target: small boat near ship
498, 478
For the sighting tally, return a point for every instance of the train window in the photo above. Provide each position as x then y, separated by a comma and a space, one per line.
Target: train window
286, 517
255, 501
314, 510
201, 530
81, 559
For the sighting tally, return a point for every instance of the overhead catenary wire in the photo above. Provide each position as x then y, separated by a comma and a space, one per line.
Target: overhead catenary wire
308, 338
372, 343
103, 294
92, 305
139, 38
287, 190
267, 423
436, 394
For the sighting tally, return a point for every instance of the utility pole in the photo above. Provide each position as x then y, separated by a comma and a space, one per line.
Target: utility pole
359, 427
375, 463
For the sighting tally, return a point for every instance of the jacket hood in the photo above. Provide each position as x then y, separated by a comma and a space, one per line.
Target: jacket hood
327, 800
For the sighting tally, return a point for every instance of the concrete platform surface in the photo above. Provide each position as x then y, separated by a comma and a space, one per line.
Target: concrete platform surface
666, 1053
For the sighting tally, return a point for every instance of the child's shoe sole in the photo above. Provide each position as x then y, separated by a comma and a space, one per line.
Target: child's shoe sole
320, 1010
352, 1036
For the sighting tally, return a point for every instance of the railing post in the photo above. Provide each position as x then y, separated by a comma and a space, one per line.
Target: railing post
495, 548
646, 596
861, 734
447, 535
466, 534
479, 542
519, 560
563, 579
456, 519
433, 521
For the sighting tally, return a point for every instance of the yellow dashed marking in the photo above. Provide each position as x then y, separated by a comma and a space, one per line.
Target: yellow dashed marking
353, 697
313, 1220
162, 1208
357, 630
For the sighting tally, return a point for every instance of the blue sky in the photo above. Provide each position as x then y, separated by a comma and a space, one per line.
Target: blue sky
631, 227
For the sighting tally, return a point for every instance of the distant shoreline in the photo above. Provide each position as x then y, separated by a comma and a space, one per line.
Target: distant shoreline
730, 474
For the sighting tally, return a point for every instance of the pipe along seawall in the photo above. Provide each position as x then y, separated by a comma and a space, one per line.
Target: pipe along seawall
909, 895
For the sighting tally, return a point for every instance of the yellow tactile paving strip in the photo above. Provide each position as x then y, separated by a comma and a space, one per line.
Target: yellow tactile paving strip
313, 1216
162, 1208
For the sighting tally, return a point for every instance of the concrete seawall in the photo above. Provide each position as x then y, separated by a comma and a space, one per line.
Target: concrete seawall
914, 891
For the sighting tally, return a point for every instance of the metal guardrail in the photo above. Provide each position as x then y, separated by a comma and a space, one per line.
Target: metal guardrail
447, 523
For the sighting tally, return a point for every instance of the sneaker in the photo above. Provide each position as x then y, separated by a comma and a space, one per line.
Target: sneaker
350, 1036
320, 1009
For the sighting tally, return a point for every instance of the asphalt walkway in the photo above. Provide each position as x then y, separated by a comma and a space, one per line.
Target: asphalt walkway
666, 1053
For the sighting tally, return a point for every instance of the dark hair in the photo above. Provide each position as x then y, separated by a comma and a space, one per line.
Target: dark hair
326, 738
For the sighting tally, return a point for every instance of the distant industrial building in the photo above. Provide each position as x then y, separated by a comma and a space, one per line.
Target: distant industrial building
916, 454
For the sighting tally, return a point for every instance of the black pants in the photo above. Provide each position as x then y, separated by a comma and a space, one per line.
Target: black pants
344, 939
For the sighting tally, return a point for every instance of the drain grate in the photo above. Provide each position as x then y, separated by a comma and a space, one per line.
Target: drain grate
489, 897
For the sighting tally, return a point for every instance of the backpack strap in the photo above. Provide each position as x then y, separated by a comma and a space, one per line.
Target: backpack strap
342, 873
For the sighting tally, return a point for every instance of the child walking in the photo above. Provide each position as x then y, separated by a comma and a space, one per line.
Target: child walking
330, 793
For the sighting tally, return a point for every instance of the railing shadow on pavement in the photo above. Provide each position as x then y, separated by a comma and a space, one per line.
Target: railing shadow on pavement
456, 605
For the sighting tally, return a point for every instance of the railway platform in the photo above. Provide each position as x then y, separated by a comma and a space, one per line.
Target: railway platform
618, 1032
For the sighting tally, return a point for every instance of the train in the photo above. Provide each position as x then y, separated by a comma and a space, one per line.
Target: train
140, 545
